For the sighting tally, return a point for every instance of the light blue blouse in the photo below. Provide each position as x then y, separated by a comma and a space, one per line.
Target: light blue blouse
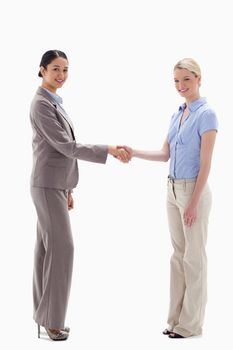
185, 139
56, 98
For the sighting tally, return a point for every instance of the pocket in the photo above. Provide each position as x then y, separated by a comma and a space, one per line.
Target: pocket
189, 188
56, 163
54, 176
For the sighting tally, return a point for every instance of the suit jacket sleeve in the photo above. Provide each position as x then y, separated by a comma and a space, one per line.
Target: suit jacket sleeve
49, 127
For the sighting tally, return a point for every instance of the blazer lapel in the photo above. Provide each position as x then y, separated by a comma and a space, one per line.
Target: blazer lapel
65, 116
67, 119
43, 92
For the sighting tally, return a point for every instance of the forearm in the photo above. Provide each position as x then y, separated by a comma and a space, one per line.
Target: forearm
200, 183
91, 153
207, 145
160, 156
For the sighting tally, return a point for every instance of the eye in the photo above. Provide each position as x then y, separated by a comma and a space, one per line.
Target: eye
176, 81
186, 79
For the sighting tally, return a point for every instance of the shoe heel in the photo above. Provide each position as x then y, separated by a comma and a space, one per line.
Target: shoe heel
38, 328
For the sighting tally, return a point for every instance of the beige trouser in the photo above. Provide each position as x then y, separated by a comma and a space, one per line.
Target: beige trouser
188, 280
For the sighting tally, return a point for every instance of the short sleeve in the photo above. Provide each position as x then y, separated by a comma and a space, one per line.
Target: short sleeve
208, 121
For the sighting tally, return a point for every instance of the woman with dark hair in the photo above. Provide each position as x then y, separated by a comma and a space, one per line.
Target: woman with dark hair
48, 57
54, 175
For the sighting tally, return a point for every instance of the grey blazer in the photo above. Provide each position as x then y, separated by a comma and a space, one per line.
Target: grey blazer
55, 151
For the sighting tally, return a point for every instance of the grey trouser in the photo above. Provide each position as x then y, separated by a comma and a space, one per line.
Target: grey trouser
188, 280
53, 257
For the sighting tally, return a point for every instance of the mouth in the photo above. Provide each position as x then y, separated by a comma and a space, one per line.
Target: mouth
59, 81
183, 90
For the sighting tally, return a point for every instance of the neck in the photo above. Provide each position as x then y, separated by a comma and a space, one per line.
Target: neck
192, 99
49, 87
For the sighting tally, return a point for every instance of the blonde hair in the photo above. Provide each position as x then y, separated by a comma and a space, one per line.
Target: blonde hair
190, 64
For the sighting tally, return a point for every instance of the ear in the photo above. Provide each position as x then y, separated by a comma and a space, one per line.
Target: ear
42, 70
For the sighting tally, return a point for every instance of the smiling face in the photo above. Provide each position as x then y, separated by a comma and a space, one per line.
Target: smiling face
55, 74
187, 84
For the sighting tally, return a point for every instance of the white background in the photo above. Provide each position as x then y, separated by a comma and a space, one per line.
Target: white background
120, 90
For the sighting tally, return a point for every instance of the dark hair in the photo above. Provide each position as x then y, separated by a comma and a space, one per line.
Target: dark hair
49, 56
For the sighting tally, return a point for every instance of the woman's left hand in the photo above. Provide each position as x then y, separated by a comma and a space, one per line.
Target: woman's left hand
70, 202
190, 215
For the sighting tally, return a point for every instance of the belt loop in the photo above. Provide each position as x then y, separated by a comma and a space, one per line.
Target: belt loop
173, 188
184, 185
171, 180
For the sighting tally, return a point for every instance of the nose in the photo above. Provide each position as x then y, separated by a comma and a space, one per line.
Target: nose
181, 86
61, 75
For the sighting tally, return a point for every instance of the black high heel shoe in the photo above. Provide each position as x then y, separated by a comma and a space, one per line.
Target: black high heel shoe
174, 335
166, 332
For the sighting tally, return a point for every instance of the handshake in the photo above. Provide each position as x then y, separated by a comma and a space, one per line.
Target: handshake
122, 153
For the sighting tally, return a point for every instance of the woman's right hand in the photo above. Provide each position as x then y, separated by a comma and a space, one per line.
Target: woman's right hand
120, 152
70, 202
128, 149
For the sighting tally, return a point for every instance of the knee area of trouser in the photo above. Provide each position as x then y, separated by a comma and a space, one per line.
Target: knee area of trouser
60, 247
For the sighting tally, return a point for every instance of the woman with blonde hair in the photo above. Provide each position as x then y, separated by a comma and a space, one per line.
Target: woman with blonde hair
189, 146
